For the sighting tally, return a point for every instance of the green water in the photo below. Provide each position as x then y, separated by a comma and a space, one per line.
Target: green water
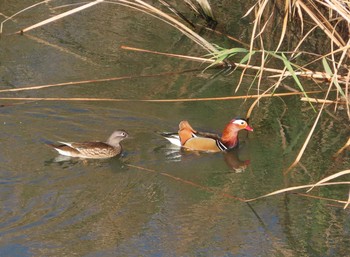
154, 200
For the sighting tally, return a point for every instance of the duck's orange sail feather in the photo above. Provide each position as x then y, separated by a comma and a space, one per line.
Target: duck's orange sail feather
185, 131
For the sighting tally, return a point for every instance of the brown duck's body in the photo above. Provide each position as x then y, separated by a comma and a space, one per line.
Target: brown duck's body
209, 142
93, 150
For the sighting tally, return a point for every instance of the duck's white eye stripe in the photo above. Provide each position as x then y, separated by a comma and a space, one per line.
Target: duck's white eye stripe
239, 122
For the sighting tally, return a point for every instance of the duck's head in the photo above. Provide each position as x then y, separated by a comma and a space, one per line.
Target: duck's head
230, 134
240, 124
116, 137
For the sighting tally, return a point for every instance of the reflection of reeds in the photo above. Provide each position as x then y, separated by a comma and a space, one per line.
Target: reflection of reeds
333, 60
204, 10
321, 183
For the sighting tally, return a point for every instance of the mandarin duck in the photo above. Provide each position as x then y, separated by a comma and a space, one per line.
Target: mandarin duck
191, 139
93, 150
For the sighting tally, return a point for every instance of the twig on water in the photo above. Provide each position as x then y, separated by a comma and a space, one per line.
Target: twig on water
72, 83
150, 100
188, 182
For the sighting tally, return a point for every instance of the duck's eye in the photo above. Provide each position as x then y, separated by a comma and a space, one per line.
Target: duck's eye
123, 134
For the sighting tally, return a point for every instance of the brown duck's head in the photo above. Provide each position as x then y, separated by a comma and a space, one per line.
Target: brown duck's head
230, 133
116, 137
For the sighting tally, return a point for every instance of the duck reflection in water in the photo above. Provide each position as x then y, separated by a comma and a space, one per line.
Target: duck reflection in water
233, 162
231, 158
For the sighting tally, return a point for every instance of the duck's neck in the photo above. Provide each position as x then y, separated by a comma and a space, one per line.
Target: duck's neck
230, 136
113, 142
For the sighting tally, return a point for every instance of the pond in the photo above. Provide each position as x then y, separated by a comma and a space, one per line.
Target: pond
154, 199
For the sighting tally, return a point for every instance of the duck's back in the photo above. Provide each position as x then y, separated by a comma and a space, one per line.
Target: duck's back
96, 150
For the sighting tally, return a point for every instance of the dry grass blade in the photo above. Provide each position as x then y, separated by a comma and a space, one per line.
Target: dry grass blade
187, 57
284, 190
323, 24
281, 73
300, 14
320, 101
176, 12
61, 49
348, 201
301, 152
250, 10
145, 100
206, 8
156, 13
336, 175
21, 11
347, 92
260, 10
188, 182
250, 110
343, 148
192, 6
81, 82
340, 8
289, 189
321, 198
60, 16
226, 195
149, 9
284, 25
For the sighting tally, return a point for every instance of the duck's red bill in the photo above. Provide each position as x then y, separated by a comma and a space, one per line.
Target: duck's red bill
249, 128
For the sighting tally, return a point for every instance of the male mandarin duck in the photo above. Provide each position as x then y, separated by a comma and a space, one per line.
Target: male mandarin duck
191, 139
93, 150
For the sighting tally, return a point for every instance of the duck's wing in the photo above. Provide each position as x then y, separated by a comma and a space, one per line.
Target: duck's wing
172, 137
87, 145
208, 134
206, 144
64, 148
186, 132
88, 149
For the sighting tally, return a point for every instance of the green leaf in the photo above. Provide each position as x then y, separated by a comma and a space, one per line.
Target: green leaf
330, 73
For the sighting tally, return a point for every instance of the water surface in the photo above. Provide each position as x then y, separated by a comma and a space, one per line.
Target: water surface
153, 200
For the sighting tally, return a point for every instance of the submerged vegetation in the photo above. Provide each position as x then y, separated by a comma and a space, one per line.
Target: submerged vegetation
327, 67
